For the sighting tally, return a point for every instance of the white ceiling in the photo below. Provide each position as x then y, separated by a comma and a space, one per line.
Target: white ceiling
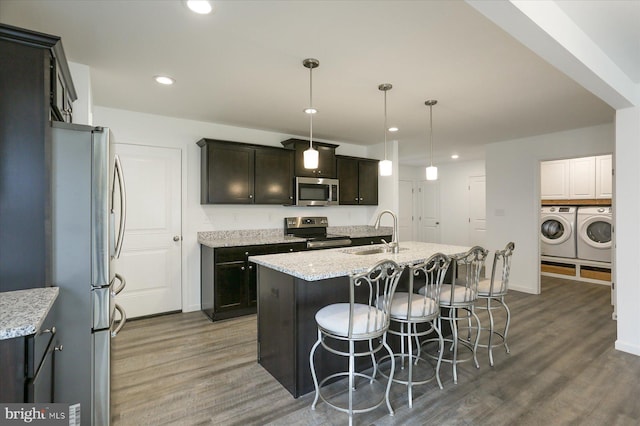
242, 66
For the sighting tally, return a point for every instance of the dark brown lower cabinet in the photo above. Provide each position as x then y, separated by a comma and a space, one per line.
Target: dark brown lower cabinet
365, 241
228, 279
27, 366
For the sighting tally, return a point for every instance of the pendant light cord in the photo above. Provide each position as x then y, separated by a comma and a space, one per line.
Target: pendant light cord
385, 124
311, 107
431, 134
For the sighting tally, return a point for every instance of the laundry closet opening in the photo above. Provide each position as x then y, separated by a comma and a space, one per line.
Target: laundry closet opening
576, 219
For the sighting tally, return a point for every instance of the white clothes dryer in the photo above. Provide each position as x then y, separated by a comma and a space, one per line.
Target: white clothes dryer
557, 231
594, 233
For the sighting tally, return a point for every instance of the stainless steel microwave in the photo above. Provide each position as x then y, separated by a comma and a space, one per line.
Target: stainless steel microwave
316, 191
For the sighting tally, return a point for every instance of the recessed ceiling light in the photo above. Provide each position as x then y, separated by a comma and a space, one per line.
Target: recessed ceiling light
202, 7
163, 79
455, 156
393, 129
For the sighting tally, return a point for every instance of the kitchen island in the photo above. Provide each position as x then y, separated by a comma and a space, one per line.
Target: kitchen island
292, 287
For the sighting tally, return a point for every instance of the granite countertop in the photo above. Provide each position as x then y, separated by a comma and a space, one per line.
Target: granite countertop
215, 239
251, 237
22, 311
321, 264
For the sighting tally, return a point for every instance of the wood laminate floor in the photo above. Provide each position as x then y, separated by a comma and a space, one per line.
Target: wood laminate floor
182, 369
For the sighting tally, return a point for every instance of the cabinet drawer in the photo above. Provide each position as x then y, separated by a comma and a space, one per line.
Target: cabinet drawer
370, 240
231, 254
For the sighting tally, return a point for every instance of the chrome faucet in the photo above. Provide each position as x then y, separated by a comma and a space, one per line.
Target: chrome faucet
393, 245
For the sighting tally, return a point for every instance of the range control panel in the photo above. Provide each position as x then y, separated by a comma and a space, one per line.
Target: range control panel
305, 222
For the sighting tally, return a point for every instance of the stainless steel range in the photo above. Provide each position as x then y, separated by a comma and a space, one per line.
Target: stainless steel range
314, 229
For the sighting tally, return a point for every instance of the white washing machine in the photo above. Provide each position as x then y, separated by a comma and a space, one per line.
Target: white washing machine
594, 233
557, 231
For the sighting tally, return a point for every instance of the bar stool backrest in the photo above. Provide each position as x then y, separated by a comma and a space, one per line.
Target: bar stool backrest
371, 293
501, 270
432, 271
466, 275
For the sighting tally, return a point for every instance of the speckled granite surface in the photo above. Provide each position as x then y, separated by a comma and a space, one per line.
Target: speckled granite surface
321, 264
245, 238
215, 239
361, 231
22, 311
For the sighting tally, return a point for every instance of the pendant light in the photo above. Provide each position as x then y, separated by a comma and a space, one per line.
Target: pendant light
311, 154
432, 172
386, 166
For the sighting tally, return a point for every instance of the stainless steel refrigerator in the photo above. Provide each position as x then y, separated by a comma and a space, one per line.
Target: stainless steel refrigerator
88, 212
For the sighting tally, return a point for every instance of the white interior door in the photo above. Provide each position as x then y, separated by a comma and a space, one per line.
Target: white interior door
477, 211
405, 215
151, 254
428, 200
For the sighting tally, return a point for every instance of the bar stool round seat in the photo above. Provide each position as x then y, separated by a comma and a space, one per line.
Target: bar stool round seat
355, 330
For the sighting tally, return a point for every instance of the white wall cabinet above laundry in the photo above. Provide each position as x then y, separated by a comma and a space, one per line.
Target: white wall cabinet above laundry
576, 178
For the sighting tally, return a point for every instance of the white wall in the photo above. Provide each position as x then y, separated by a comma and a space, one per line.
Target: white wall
627, 229
453, 180
513, 192
146, 129
82, 107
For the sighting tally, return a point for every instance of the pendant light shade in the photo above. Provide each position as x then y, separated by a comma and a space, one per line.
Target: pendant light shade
311, 158
386, 166
311, 154
432, 171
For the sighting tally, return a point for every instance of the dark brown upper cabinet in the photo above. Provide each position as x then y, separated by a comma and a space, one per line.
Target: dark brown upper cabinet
358, 180
326, 158
239, 173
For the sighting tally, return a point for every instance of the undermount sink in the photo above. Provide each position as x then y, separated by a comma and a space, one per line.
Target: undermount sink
376, 250
372, 251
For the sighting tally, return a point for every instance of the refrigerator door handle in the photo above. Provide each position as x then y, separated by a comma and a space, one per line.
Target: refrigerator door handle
117, 170
123, 284
123, 321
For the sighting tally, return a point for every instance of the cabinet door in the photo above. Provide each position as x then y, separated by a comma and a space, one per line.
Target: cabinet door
604, 176
347, 169
582, 181
230, 171
326, 158
326, 162
230, 286
554, 180
368, 182
40, 388
273, 176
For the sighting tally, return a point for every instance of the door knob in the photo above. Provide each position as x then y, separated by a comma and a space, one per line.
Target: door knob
177, 238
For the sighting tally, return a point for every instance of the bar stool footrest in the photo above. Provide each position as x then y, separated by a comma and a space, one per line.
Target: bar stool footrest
364, 392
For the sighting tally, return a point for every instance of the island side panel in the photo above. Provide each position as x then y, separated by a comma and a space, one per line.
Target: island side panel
311, 296
276, 326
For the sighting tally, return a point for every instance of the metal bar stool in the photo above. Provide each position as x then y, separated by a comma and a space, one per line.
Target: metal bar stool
457, 297
410, 310
495, 289
364, 320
